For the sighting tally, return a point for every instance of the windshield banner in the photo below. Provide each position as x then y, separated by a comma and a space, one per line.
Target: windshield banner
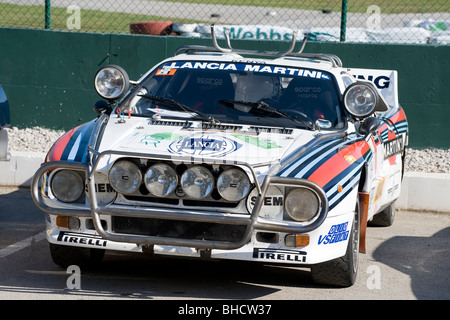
247, 67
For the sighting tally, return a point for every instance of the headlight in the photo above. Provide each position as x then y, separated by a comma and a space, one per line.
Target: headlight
125, 177
111, 82
161, 180
233, 185
361, 99
67, 186
197, 182
302, 204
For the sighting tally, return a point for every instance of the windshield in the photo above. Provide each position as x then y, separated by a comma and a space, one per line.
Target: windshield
242, 93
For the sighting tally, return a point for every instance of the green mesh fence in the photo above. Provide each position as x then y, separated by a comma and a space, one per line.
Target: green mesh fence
393, 21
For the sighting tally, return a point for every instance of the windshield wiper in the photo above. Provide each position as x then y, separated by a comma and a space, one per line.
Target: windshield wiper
185, 108
263, 109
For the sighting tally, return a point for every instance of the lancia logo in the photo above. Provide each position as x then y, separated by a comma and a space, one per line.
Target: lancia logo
204, 145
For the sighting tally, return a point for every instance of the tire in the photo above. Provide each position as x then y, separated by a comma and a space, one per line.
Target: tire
384, 218
341, 271
65, 256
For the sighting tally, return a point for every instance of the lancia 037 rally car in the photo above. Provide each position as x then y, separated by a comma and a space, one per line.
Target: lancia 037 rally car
282, 158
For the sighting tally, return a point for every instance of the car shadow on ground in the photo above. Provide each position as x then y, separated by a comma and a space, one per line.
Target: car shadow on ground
137, 276
173, 277
425, 259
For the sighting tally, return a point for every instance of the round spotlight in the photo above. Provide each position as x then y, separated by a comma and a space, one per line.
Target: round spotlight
302, 204
67, 185
360, 99
111, 82
197, 182
125, 177
161, 180
233, 185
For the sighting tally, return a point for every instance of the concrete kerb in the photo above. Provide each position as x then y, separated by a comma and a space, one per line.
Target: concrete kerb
420, 191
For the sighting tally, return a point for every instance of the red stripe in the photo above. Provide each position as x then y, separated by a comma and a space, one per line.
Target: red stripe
60, 145
338, 163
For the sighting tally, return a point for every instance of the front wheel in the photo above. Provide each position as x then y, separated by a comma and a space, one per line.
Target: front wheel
341, 271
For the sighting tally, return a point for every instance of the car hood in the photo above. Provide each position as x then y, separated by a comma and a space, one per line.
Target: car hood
226, 143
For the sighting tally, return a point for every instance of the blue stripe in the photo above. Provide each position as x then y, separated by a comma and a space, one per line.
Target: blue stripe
84, 134
322, 152
82, 150
70, 144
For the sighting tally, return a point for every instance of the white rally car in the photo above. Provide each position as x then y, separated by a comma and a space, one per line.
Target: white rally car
216, 154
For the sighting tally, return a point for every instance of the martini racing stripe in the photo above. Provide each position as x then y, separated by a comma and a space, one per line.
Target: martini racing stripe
347, 179
59, 146
343, 158
398, 124
73, 145
339, 166
319, 153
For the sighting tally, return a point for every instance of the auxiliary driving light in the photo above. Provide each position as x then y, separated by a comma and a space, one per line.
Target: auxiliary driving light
161, 180
361, 99
125, 177
111, 82
197, 182
233, 185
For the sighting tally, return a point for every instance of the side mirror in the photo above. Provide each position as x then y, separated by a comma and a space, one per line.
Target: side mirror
111, 82
361, 99
369, 125
101, 107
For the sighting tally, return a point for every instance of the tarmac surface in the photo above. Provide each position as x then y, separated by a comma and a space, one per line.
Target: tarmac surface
408, 261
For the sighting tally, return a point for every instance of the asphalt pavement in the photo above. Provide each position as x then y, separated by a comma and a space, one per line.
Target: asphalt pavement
407, 261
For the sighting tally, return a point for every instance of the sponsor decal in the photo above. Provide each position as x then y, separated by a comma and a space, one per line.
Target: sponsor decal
337, 233
350, 159
103, 189
81, 238
256, 141
204, 145
248, 67
379, 192
152, 139
272, 206
165, 72
381, 82
393, 147
279, 254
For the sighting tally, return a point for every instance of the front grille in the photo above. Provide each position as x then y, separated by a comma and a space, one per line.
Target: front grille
182, 202
178, 229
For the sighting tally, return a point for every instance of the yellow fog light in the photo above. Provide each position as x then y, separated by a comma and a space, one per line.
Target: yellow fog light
296, 240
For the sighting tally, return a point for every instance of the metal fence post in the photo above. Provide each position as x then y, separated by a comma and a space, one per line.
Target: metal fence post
343, 20
47, 14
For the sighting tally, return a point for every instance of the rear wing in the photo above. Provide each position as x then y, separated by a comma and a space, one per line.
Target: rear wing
384, 80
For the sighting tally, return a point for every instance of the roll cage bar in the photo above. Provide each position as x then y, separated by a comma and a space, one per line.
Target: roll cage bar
335, 60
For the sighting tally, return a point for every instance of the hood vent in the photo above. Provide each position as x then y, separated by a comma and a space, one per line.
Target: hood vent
184, 124
215, 126
222, 127
259, 130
